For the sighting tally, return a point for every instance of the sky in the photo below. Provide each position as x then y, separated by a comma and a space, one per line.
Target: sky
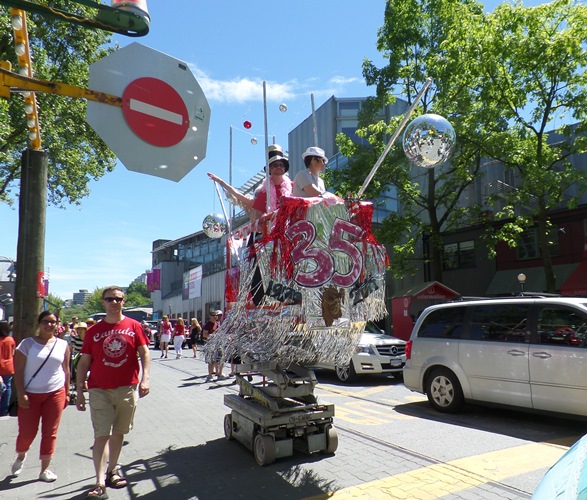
299, 48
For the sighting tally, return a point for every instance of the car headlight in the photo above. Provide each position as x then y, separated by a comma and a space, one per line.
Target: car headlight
364, 349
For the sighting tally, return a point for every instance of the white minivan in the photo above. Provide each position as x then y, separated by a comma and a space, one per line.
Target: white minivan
527, 352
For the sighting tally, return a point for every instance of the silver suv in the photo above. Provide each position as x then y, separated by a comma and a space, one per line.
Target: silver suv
526, 352
376, 353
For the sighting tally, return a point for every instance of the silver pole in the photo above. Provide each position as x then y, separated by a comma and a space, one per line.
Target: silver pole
315, 130
267, 177
394, 137
230, 170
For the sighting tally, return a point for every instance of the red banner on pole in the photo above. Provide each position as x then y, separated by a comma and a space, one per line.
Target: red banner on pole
40, 284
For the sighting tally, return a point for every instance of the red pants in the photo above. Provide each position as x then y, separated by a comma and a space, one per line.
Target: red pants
48, 408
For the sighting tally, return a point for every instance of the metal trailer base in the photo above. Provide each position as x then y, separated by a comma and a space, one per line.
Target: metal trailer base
279, 414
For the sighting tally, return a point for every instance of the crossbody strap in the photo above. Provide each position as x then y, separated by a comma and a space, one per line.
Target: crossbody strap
42, 364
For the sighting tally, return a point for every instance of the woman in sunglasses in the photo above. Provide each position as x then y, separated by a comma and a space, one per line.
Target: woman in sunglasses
41, 376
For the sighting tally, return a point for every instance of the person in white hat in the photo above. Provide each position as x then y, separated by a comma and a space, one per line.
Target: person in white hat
280, 185
308, 182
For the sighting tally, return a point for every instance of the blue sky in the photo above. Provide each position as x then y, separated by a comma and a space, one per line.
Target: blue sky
299, 48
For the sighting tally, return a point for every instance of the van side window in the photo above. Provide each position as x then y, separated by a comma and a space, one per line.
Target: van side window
561, 326
500, 323
443, 323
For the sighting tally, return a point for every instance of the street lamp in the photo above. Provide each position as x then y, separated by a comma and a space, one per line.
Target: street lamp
521, 280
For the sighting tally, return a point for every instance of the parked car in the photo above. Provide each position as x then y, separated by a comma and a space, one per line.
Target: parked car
523, 352
376, 353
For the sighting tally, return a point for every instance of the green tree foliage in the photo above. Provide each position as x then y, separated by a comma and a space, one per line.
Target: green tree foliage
503, 80
525, 75
137, 295
411, 39
61, 52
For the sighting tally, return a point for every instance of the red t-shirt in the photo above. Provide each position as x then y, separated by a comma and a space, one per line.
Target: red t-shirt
7, 345
113, 347
178, 330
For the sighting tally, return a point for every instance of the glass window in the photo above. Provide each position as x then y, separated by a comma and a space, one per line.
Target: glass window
562, 326
500, 323
459, 255
443, 323
346, 108
529, 244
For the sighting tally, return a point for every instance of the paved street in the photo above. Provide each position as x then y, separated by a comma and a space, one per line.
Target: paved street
391, 445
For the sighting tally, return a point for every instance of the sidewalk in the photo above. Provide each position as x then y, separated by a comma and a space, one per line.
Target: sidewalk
176, 450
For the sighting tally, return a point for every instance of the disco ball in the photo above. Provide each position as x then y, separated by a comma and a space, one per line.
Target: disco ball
214, 226
429, 140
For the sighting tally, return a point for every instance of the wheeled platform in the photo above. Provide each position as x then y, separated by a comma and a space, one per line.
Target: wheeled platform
276, 412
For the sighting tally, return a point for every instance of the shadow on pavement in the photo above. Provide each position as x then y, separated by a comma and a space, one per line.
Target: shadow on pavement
216, 470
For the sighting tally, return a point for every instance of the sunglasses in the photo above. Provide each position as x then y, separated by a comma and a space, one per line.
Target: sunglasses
48, 322
320, 160
114, 299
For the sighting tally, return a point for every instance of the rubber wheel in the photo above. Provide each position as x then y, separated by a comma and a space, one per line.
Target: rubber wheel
444, 391
346, 374
264, 449
331, 440
228, 427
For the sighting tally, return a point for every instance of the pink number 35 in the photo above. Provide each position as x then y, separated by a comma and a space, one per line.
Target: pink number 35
325, 265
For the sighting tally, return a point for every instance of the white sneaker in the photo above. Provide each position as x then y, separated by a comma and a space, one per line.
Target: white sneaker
47, 476
17, 466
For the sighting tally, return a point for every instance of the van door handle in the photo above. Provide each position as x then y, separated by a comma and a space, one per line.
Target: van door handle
543, 355
516, 352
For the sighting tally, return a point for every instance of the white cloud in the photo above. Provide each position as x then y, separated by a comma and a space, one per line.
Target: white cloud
245, 89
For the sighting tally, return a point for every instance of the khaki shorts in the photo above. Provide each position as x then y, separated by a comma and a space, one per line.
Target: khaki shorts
113, 410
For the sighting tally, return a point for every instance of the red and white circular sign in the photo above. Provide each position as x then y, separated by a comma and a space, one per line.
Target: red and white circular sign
155, 112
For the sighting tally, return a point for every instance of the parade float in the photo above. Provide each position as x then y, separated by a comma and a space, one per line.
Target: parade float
301, 283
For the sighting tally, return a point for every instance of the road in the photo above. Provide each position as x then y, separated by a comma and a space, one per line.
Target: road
391, 445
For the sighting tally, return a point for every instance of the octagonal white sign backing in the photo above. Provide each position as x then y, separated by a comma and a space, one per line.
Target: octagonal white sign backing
162, 128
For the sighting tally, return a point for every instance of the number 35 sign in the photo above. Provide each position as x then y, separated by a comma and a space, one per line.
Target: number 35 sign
320, 250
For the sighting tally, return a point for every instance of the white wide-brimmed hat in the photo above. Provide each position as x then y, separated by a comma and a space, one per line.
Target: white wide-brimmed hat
315, 151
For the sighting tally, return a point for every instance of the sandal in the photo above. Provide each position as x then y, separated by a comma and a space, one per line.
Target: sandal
98, 492
115, 480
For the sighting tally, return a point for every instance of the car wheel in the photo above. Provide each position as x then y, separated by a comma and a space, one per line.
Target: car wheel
444, 391
264, 449
346, 373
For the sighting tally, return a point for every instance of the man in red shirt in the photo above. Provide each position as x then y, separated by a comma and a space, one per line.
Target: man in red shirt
109, 353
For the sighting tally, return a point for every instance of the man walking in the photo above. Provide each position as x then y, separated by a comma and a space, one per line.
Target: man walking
109, 353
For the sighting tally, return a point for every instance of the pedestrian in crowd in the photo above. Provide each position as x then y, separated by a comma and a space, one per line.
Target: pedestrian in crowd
90, 322
77, 341
147, 330
280, 185
66, 333
308, 182
41, 376
178, 337
111, 353
195, 332
74, 320
215, 367
165, 335
7, 345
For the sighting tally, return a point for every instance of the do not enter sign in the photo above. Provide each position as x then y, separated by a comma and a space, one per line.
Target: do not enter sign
162, 127
155, 112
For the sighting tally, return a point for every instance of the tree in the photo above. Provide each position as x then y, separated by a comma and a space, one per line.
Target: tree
501, 79
412, 40
137, 295
527, 66
61, 52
